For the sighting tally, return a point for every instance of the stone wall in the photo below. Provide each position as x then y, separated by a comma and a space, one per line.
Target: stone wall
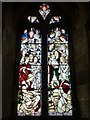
81, 60
88, 30
8, 54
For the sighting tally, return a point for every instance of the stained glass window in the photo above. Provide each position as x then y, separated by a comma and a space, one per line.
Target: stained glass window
30, 70
59, 84
29, 93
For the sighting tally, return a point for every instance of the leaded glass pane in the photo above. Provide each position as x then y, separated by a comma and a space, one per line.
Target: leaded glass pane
59, 82
57, 35
55, 19
33, 19
58, 54
44, 10
29, 90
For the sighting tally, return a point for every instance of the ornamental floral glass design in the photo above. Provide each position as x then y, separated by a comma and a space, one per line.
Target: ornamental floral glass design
33, 19
59, 83
55, 19
29, 90
44, 10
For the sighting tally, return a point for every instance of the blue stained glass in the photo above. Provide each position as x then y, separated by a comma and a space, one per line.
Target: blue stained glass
29, 89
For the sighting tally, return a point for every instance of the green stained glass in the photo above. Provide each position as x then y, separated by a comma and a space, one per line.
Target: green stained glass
29, 96
59, 82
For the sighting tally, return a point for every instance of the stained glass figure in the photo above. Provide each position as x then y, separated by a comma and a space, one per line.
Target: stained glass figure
57, 36
59, 82
33, 19
55, 19
58, 54
29, 91
44, 10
